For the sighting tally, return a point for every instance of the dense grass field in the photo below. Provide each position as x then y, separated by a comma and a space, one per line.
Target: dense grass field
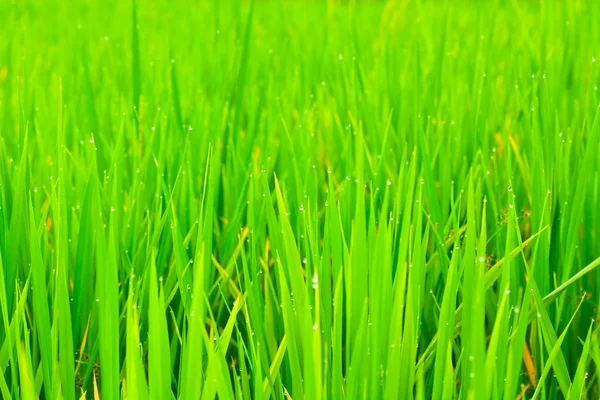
299, 199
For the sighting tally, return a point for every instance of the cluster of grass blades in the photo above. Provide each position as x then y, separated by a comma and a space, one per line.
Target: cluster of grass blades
299, 200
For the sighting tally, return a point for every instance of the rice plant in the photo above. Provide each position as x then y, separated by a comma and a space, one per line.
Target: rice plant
278, 199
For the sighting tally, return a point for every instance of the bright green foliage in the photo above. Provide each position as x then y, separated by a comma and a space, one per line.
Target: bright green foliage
299, 199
